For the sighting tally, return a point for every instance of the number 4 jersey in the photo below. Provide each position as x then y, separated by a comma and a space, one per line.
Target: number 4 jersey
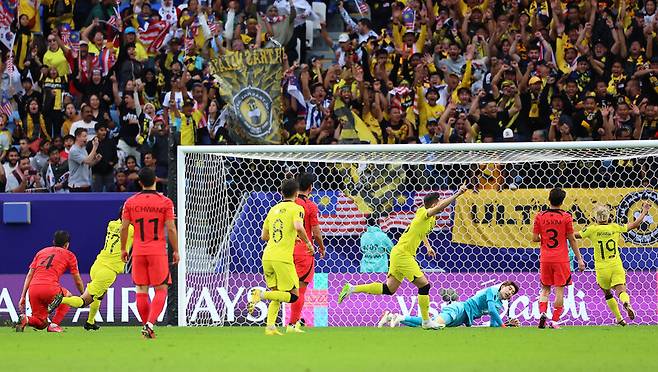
553, 226
605, 239
280, 222
110, 256
50, 264
148, 211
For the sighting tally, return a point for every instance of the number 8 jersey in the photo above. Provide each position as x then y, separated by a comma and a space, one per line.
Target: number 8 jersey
605, 239
553, 226
280, 222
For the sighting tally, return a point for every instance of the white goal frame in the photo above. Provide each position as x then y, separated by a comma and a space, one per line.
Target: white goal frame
538, 148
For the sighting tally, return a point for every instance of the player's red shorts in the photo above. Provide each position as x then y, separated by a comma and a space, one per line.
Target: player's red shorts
151, 270
41, 296
555, 273
305, 266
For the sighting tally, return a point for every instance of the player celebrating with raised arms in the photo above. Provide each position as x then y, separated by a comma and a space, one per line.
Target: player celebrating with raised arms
303, 259
103, 273
283, 225
403, 258
609, 269
42, 284
553, 227
150, 213
487, 301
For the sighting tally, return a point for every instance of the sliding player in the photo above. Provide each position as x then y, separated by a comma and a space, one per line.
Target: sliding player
303, 259
283, 225
487, 301
553, 227
403, 258
103, 273
609, 269
42, 284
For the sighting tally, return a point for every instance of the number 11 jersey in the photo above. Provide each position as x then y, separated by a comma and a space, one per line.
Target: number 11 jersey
280, 222
553, 226
148, 211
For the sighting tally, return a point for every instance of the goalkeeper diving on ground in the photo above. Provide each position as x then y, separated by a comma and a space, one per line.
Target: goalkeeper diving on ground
487, 301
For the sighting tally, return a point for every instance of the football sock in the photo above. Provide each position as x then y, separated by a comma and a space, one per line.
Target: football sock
412, 321
372, 288
36, 322
93, 309
557, 312
73, 301
272, 312
157, 305
614, 307
543, 306
279, 296
297, 306
60, 313
625, 298
143, 306
424, 304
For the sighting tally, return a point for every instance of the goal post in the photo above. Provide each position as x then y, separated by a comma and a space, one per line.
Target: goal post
224, 193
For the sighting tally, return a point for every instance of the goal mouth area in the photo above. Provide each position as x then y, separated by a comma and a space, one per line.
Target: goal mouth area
468, 153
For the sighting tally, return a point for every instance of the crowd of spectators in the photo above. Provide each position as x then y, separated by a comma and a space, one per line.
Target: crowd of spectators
85, 115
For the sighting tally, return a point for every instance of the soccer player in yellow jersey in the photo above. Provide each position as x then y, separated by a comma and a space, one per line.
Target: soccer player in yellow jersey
103, 273
283, 225
609, 269
403, 258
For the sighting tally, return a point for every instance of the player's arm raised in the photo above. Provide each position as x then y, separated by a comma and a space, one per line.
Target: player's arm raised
301, 233
638, 221
172, 233
26, 285
443, 204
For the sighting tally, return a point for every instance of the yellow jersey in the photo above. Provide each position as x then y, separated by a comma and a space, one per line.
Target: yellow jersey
110, 255
605, 239
280, 222
418, 229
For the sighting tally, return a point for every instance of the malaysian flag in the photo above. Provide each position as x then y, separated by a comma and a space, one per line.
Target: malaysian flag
106, 60
155, 35
7, 11
213, 25
362, 6
74, 42
189, 39
409, 18
9, 66
6, 108
340, 214
115, 20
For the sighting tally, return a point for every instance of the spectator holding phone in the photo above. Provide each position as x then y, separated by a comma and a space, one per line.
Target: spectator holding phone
81, 161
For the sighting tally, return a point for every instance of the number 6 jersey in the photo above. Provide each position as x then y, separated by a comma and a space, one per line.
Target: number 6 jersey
553, 226
280, 222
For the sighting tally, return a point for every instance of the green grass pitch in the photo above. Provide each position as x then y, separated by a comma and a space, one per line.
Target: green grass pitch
599, 349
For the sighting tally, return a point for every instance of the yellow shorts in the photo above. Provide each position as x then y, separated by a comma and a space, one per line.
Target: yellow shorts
609, 277
404, 266
280, 275
102, 278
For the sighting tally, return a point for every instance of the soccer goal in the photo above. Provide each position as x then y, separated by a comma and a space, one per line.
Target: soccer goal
224, 193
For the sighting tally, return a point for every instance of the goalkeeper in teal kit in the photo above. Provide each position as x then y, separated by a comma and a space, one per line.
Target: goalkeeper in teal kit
488, 301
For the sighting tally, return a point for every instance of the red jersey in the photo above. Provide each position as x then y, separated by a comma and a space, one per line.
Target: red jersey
310, 220
147, 211
553, 225
49, 264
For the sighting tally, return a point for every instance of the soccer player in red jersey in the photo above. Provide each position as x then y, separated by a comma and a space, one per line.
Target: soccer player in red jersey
42, 283
552, 228
304, 260
150, 213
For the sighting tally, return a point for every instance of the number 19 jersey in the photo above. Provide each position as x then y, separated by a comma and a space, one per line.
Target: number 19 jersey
280, 222
110, 255
553, 226
605, 239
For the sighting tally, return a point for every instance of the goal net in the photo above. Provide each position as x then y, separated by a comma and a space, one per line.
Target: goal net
483, 239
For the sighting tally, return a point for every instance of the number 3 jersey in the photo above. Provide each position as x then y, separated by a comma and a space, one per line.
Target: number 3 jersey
280, 222
148, 211
605, 239
553, 226
50, 264
110, 255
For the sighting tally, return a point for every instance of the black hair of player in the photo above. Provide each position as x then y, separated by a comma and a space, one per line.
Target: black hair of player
289, 188
430, 199
512, 283
61, 238
146, 177
556, 197
305, 180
